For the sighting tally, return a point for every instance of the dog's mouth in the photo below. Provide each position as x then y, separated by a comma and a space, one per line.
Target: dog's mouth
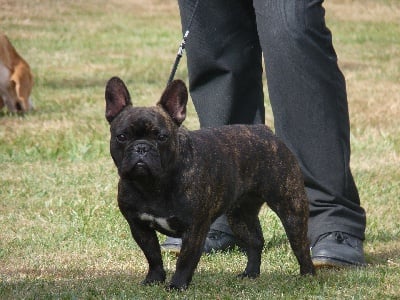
141, 169
135, 169
138, 168
140, 164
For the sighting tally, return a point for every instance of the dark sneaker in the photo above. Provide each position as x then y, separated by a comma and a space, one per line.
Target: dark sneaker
337, 249
172, 245
218, 241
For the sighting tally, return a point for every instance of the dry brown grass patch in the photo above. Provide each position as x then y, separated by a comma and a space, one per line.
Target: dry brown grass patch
366, 10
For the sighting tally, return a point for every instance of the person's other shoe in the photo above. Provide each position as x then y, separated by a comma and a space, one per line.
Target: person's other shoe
172, 245
216, 241
337, 249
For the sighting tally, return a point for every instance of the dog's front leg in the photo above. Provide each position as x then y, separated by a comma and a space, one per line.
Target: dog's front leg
147, 240
192, 248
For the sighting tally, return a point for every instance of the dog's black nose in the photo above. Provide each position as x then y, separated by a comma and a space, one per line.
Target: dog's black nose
141, 149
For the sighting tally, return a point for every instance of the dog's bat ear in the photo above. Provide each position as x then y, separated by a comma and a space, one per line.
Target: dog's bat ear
174, 100
117, 97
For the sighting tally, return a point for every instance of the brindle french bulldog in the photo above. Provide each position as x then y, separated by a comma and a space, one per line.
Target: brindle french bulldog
178, 182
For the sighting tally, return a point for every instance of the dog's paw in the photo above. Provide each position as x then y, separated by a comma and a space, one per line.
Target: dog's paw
251, 275
176, 287
178, 283
152, 281
154, 277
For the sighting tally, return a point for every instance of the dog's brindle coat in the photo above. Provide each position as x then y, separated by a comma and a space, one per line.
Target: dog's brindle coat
178, 182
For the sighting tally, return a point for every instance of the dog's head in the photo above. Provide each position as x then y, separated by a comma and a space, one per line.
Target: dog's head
144, 140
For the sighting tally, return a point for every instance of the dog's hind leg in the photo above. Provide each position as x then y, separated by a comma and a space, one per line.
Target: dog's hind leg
246, 227
293, 213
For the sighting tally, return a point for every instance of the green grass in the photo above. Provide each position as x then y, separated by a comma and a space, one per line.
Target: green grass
61, 234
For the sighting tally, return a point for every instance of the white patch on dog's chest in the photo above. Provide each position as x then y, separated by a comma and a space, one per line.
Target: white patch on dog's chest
162, 222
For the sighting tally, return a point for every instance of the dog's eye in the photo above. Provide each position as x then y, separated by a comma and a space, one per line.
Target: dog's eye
121, 138
162, 137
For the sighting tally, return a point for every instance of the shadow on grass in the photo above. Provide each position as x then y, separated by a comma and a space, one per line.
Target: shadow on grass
101, 284
382, 246
385, 256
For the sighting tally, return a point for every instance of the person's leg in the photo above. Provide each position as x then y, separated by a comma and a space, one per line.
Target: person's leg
225, 76
224, 62
308, 97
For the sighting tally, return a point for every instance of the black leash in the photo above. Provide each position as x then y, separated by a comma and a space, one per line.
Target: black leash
182, 46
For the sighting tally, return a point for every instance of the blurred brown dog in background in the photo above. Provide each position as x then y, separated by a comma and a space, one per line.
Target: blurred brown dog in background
16, 80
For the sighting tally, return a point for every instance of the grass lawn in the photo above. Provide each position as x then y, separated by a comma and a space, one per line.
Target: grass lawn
61, 234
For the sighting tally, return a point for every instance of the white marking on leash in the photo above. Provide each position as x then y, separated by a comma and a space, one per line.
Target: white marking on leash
162, 222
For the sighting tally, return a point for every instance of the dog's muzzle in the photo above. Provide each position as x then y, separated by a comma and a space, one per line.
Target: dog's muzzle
141, 158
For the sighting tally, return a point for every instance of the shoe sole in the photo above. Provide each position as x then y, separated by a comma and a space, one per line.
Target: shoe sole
329, 263
172, 250
177, 251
